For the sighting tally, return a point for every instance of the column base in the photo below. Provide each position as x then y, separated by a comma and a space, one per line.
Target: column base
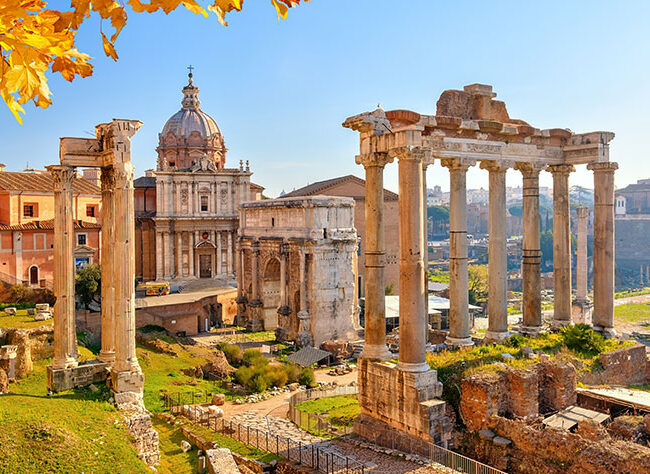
530, 330
413, 367
376, 352
127, 386
459, 341
581, 311
65, 363
107, 356
497, 336
608, 333
92, 371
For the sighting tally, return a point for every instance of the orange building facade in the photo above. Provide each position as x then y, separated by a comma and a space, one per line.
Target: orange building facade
27, 226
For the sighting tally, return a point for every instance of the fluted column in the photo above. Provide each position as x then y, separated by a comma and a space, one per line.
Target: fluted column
190, 254
375, 247
167, 251
425, 250
497, 252
107, 353
229, 253
65, 335
561, 244
160, 261
179, 254
459, 322
125, 356
219, 253
532, 285
304, 337
283, 278
255, 252
603, 313
412, 319
581, 260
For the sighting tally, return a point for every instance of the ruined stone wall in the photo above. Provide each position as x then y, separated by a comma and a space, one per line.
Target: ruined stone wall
138, 423
621, 367
535, 450
557, 386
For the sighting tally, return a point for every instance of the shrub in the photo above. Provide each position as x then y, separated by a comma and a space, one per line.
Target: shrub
292, 371
307, 377
243, 376
254, 358
258, 382
277, 377
21, 294
581, 338
516, 341
233, 353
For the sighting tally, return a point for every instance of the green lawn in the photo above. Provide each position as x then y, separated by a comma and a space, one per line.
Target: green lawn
632, 312
630, 293
341, 410
439, 276
22, 320
75, 431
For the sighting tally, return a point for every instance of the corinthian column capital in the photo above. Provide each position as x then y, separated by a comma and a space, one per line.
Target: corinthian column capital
530, 170
605, 166
412, 153
457, 164
377, 159
123, 175
494, 166
108, 178
562, 169
62, 176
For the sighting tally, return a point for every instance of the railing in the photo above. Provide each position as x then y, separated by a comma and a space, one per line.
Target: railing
458, 462
309, 455
312, 422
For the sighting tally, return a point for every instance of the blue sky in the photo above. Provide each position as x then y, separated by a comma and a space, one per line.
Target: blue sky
279, 90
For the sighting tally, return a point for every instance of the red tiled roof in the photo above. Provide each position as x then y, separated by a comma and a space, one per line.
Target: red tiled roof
320, 187
257, 186
42, 183
49, 225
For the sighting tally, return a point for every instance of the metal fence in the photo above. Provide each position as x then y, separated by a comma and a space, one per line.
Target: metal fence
307, 454
458, 462
312, 422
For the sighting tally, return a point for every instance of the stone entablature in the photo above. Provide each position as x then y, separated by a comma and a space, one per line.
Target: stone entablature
298, 261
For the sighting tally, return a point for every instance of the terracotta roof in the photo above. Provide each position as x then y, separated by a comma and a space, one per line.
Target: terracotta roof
42, 182
321, 187
49, 225
257, 186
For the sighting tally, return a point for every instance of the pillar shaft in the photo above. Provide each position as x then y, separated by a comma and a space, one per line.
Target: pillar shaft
255, 251
531, 270
65, 336
160, 261
603, 313
561, 244
190, 253
303, 282
240, 270
459, 323
425, 251
412, 350
179, 254
581, 260
497, 253
375, 247
125, 357
107, 353
229, 253
283, 278
219, 253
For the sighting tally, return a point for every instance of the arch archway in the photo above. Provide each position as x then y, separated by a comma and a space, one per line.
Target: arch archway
33, 275
271, 293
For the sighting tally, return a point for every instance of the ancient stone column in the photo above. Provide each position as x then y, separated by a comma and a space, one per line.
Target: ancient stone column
179, 254
459, 322
497, 252
412, 318
229, 253
160, 261
219, 253
107, 353
190, 253
167, 249
375, 303
425, 250
65, 334
531, 271
561, 244
303, 337
581, 260
283, 278
603, 313
255, 252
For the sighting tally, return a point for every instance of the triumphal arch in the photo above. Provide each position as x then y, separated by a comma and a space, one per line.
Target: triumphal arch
109, 151
399, 402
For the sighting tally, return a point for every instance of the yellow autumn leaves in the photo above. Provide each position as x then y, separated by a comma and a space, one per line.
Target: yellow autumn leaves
35, 39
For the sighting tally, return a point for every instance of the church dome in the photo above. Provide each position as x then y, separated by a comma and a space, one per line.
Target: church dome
191, 118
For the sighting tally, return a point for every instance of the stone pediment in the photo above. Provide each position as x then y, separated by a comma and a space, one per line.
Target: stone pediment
205, 244
83, 251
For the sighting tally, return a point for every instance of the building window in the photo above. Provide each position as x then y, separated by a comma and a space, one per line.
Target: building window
204, 203
82, 239
90, 211
30, 210
272, 221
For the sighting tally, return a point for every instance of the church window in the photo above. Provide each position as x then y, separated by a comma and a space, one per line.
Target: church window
204, 203
30, 210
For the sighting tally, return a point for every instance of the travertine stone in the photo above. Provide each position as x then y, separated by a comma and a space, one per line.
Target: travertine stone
459, 323
531, 271
603, 314
412, 355
65, 335
497, 252
375, 308
108, 256
581, 261
8, 360
561, 244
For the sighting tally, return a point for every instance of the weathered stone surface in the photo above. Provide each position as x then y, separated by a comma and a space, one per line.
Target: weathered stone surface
217, 367
8, 360
42, 308
220, 461
629, 428
218, 399
557, 386
185, 446
24, 364
138, 423
339, 349
86, 373
523, 393
4, 382
43, 316
10, 311
621, 367
481, 398
590, 429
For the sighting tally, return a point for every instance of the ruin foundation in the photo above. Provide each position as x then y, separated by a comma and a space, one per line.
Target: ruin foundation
399, 409
92, 371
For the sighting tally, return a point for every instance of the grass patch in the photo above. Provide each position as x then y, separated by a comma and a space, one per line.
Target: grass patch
22, 320
631, 293
632, 312
439, 276
340, 410
172, 457
74, 431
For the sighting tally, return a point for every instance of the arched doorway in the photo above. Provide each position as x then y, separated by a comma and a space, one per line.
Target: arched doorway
205, 253
33, 275
271, 293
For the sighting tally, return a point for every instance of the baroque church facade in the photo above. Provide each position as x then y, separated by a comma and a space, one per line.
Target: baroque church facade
187, 210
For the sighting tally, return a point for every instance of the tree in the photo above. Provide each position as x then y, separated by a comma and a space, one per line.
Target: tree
478, 282
35, 39
546, 246
88, 284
